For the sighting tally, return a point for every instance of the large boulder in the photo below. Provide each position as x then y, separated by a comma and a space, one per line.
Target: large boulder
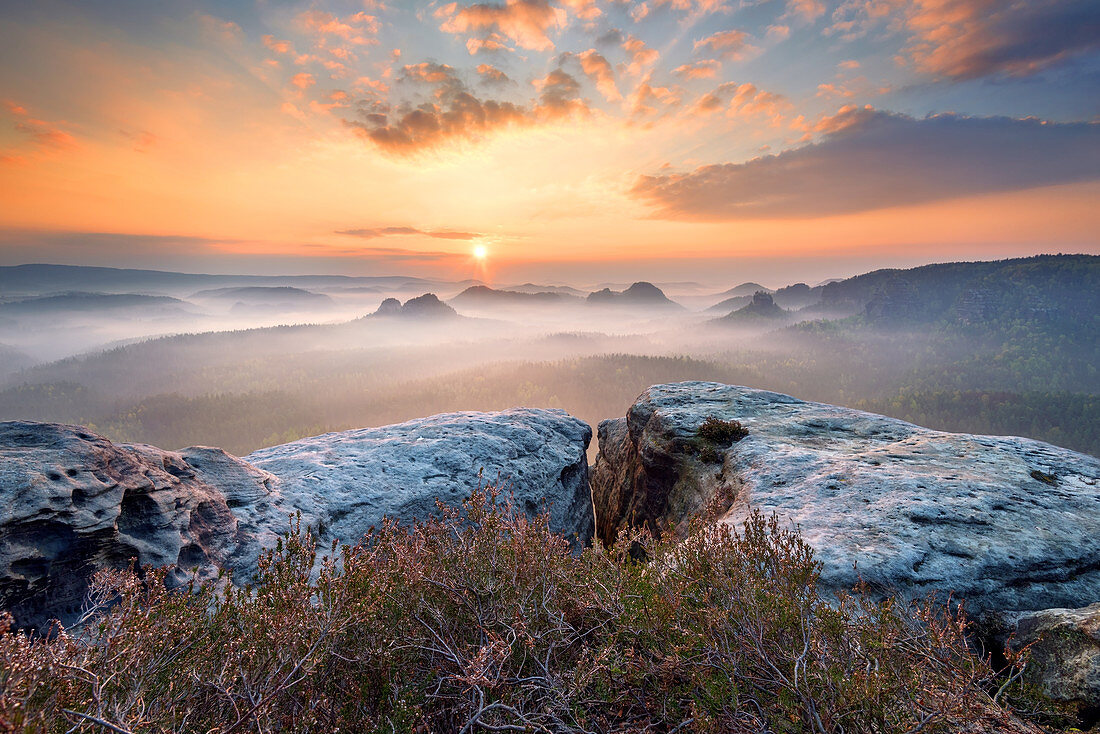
1006, 523
1064, 659
72, 502
346, 482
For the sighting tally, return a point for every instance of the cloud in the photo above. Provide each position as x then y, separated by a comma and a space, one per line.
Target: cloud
641, 55
706, 69
277, 45
357, 28
805, 10
391, 254
429, 72
41, 136
527, 22
742, 101
597, 68
584, 9
559, 95
375, 233
492, 42
777, 33
649, 100
733, 44
455, 114
871, 159
492, 75
303, 80
701, 7
459, 116
969, 39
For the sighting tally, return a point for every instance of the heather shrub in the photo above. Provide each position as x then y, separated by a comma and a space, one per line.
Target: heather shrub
719, 432
484, 620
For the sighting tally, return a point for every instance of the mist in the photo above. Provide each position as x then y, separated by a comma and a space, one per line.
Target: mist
241, 362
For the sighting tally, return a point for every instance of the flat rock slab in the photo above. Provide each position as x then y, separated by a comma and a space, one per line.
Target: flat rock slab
1006, 523
349, 481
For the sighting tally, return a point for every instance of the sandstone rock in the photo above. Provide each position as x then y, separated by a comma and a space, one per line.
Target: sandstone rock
1065, 650
74, 503
348, 481
1006, 523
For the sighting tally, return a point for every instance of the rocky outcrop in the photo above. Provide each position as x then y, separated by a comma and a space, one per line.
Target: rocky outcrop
1064, 659
761, 308
1006, 523
427, 306
639, 294
349, 481
72, 502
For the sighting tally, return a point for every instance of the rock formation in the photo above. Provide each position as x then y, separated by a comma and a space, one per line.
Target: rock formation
639, 294
1064, 661
348, 481
1006, 523
74, 502
761, 308
427, 306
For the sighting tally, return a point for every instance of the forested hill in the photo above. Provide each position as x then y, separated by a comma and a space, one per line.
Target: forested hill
1063, 288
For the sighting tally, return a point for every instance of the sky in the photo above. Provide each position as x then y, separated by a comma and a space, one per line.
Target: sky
560, 140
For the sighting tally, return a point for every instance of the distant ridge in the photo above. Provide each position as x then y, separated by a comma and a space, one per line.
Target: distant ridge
480, 295
534, 288
745, 289
84, 302
43, 278
263, 294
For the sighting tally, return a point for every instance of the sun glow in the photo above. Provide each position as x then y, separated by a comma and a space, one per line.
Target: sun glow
481, 252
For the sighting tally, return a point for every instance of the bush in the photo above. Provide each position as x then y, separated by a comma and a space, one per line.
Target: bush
720, 432
483, 620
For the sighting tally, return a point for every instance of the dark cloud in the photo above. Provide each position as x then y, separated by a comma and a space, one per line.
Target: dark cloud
981, 38
454, 113
560, 92
870, 159
613, 37
968, 39
374, 233
458, 115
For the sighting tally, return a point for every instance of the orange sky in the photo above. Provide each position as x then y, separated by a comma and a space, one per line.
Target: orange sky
241, 138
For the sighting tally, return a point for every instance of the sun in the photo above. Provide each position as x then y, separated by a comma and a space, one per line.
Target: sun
481, 252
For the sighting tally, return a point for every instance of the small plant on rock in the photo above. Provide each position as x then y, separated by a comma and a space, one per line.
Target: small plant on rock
714, 434
720, 432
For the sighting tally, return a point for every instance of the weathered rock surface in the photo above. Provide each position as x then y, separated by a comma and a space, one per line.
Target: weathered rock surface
1006, 523
72, 502
1065, 651
349, 481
